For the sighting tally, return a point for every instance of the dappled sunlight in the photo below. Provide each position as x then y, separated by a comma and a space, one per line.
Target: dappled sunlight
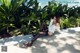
43, 44
61, 46
39, 39
70, 41
45, 40
61, 43
58, 43
78, 39
77, 47
51, 41
11, 43
62, 35
51, 49
66, 51
39, 46
34, 47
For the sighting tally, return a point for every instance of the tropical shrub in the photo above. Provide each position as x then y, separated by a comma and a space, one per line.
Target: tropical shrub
72, 21
64, 22
78, 21
8, 9
27, 15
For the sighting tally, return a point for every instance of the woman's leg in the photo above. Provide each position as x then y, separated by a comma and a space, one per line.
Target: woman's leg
29, 44
34, 39
38, 35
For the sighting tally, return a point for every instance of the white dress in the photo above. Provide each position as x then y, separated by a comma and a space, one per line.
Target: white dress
52, 27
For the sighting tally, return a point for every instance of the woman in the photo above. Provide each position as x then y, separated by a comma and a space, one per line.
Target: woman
42, 31
54, 25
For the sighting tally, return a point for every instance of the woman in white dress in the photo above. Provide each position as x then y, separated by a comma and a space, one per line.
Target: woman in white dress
54, 25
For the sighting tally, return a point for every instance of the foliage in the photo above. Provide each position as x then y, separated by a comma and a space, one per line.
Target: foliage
64, 22
78, 21
27, 15
72, 21
69, 22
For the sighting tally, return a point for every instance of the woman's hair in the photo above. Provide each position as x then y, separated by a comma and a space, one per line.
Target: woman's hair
56, 19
